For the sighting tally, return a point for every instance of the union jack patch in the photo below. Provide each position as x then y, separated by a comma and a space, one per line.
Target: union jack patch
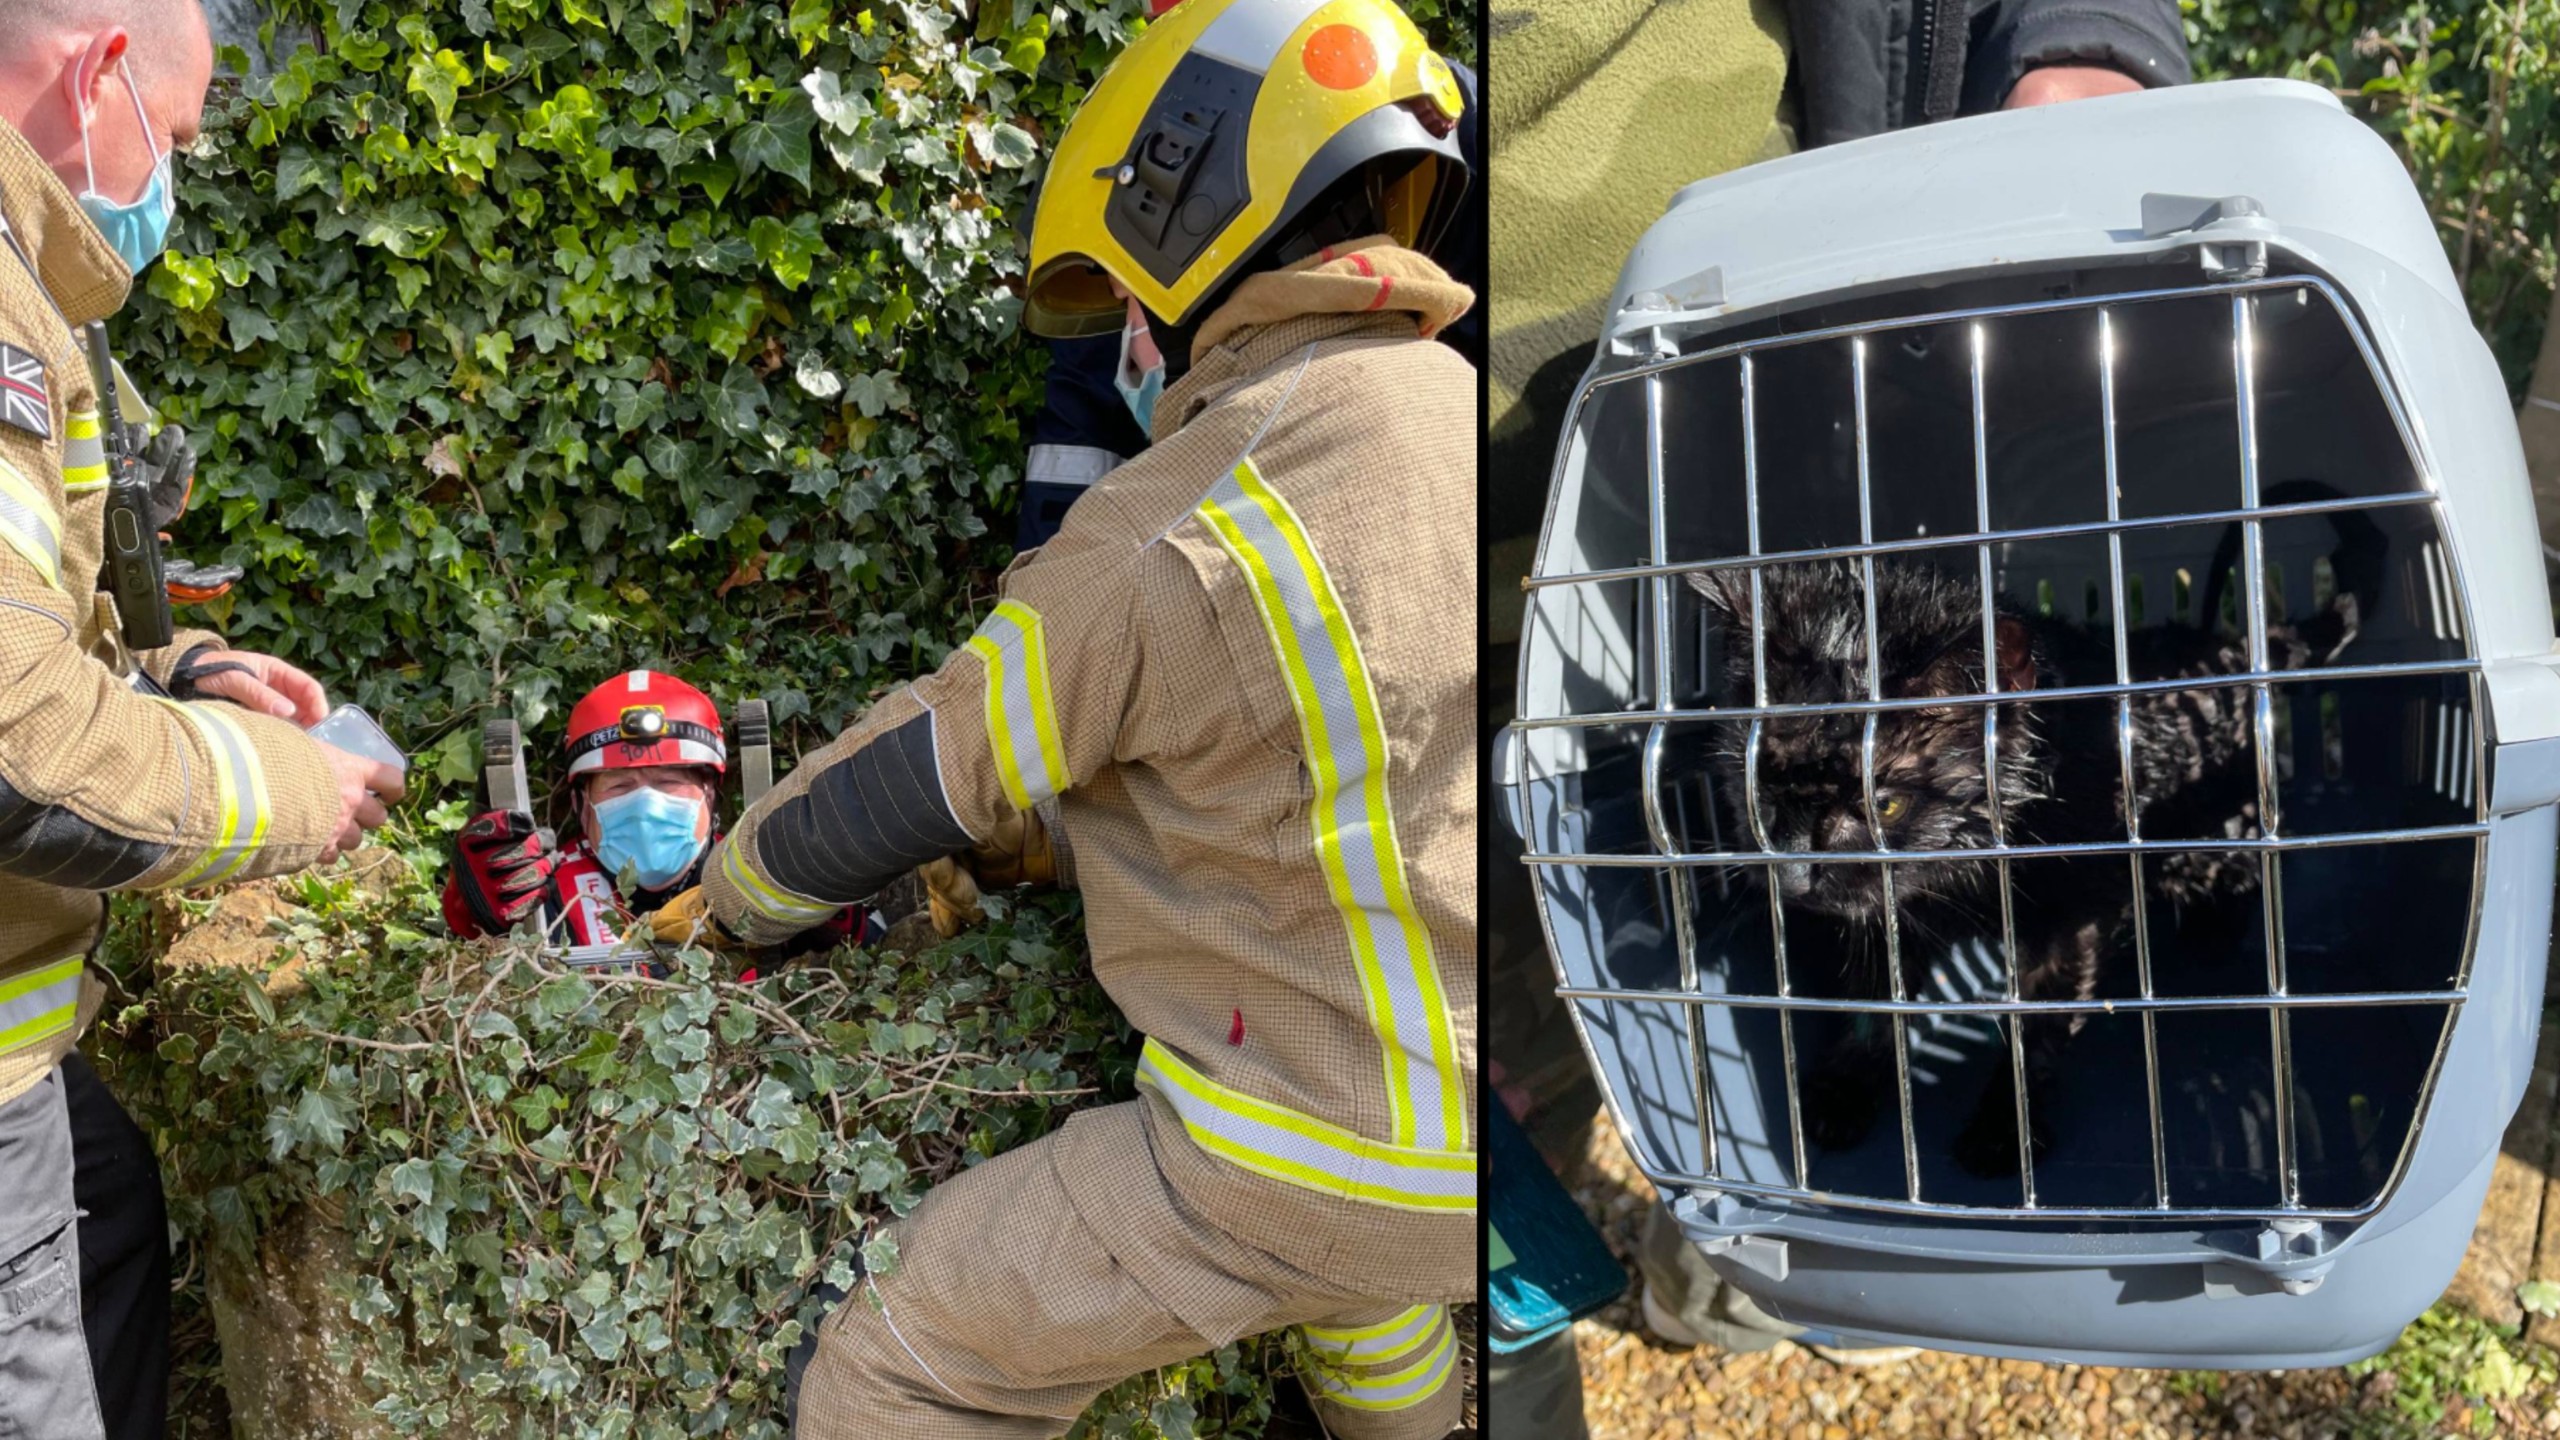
23, 402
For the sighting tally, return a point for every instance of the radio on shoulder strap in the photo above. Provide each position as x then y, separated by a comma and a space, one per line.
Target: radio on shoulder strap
133, 571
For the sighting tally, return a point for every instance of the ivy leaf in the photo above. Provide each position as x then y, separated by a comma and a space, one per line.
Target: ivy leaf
413, 1179
322, 1116
772, 1106
298, 170
741, 398
778, 139
1175, 1417
440, 77
808, 22
876, 393
833, 105
1010, 146
787, 249
2541, 1297
816, 378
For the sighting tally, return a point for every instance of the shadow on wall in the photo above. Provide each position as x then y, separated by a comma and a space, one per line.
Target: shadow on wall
236, 22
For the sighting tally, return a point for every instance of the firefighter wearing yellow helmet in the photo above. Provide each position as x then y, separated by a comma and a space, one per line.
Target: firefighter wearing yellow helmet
1241, 677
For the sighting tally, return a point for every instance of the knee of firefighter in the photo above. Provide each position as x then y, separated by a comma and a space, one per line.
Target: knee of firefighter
1387, 1376
859, 1383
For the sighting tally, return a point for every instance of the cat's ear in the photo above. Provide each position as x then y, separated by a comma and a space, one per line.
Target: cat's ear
1952, 672
2016, 648
1728, 596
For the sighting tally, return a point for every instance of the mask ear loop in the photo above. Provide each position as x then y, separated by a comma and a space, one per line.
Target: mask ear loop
89, 167
160, 166
141, 117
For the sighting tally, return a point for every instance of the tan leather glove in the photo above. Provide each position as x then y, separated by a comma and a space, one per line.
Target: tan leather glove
686, 920
1017, 852
950, 895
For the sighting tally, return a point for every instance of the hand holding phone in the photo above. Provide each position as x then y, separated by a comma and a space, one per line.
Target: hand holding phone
370, 770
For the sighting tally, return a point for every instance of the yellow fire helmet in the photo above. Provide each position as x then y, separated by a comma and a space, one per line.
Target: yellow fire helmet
1226, 126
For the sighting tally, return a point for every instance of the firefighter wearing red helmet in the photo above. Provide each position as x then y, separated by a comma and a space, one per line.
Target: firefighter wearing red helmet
646, 758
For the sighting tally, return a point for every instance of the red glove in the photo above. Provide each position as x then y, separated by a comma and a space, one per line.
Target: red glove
502, 871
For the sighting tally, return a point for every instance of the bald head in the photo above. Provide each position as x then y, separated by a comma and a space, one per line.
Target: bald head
26, 24
130, 75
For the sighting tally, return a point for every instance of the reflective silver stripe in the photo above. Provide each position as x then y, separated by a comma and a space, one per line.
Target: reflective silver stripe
1021, 724
1077, 465
1249, 35
40, 1004
1302, 1150
1354, 821
29, 524
766, 898
1402, 1390
240, 788
1376, 1344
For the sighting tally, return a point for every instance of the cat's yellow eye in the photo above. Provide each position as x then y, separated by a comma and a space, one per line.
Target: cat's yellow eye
1891, 807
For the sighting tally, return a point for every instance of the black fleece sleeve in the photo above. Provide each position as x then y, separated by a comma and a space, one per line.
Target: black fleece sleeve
2142, 38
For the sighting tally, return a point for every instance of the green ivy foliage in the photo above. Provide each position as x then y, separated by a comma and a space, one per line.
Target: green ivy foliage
532, 340
2468, 91
594, 1205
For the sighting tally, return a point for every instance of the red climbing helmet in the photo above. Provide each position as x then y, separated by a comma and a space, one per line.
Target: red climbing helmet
645, 718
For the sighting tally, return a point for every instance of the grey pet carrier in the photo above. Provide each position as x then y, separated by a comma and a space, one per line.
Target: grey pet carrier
2178, 374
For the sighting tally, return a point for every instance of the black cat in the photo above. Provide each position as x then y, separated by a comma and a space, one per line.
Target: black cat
2056, 778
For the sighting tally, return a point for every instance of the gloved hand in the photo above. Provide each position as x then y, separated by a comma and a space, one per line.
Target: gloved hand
687, 920
1016, 852
502, 867
166, 464
950, 895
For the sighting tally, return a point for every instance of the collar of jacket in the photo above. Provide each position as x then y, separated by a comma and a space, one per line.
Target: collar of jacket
82, 272
1365, 287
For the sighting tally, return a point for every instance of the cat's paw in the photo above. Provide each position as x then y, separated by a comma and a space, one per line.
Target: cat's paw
1839, 1107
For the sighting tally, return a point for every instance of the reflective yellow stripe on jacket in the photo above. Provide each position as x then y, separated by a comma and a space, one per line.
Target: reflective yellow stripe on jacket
1279, 1142
84, 453
40, 1004
1022, 723
1355, 837
240, 784
766, 898
1371, 1385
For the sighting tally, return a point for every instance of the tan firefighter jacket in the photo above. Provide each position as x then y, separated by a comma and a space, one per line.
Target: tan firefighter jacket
101, 788
1245, 667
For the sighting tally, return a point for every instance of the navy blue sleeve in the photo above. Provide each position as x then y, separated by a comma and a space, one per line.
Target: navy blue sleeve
2141, 38
1462, 248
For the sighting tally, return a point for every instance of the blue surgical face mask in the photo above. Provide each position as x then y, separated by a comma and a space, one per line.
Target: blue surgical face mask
139, 228
1141, 396
651, 832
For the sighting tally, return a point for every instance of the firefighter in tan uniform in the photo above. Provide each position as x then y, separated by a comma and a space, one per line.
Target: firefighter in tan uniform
1243, 670
103, 787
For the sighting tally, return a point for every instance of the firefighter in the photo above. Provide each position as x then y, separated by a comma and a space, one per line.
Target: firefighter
1243, 671
1092, 394
646, 758
103, 787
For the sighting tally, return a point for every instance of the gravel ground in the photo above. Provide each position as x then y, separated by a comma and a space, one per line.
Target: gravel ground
1636, 1388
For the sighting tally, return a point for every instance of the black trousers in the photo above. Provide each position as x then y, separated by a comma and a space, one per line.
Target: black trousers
124, 1257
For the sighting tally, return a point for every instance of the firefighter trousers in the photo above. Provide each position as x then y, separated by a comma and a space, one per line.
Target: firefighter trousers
84, 1266
1007, 1313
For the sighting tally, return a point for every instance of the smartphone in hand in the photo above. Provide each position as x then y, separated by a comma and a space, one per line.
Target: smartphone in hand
350, 729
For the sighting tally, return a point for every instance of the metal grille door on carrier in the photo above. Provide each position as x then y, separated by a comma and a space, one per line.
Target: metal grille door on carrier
2039, 735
